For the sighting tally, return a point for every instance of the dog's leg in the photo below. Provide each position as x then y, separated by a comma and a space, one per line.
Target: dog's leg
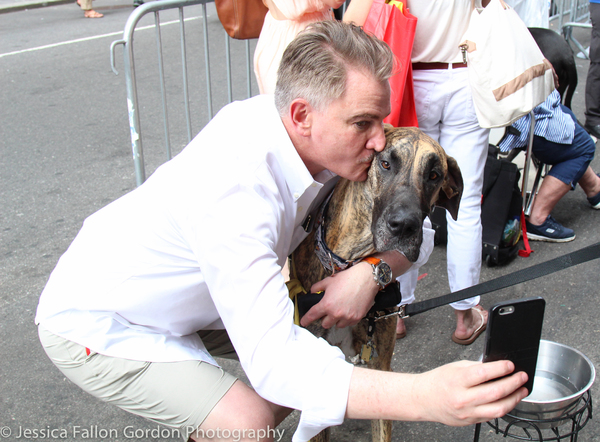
323, 436
385, 341
381, 430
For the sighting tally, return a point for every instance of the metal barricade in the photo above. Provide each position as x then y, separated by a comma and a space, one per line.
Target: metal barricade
131, 79
574, 14
566, 11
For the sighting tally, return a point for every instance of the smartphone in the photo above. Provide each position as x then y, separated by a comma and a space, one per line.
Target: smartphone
513, 333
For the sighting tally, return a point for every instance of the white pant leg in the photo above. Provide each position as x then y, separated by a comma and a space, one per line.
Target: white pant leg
446, 113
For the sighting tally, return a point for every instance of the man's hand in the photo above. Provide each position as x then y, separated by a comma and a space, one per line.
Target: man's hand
348, 297
555, 77
456, 394
463, 394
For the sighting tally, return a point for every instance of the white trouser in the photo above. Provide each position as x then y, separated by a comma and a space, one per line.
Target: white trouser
446, 113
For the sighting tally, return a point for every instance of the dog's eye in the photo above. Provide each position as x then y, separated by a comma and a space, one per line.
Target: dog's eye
385, 165
433, 175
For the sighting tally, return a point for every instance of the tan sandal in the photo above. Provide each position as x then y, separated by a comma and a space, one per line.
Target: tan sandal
478, 331
90, 13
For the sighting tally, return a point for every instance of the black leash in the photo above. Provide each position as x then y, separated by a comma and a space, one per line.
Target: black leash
536, 271
390, 296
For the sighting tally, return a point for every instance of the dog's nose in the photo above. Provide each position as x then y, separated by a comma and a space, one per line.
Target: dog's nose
403, 224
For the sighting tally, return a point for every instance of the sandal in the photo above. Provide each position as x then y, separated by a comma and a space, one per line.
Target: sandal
90, 13
478, 331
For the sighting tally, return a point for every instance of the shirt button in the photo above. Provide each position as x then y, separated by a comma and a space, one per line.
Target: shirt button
300, 209
296, 195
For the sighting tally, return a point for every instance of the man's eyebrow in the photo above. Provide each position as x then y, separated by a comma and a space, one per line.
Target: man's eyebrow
365, 116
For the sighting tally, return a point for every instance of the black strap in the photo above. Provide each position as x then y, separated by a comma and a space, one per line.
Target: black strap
533, 272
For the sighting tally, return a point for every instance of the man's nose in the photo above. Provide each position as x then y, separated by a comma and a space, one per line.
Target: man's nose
377, 141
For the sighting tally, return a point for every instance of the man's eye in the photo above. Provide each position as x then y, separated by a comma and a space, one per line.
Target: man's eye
362, 124
385, 165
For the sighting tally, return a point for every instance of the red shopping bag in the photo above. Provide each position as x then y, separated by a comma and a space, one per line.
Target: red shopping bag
397, 27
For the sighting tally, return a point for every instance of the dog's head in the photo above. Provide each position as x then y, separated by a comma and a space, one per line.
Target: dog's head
409, 177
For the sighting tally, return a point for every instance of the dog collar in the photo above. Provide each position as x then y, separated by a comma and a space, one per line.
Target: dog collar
329, 260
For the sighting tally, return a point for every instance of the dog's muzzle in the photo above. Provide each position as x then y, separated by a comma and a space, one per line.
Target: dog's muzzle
399, 228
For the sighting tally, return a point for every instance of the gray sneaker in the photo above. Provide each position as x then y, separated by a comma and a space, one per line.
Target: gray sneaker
550, 231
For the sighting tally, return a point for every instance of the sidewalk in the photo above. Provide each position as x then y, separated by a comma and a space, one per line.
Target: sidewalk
20, 5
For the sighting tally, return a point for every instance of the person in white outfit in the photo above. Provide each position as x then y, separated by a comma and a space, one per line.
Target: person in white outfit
446, 113
282, 23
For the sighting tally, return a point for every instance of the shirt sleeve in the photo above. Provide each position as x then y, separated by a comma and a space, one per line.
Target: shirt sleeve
551, 123
236, 242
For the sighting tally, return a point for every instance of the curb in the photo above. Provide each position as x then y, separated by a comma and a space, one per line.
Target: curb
32, 5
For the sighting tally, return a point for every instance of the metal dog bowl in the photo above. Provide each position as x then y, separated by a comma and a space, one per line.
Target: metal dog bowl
562, 376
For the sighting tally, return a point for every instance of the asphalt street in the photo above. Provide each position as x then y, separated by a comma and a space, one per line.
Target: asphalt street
65, 153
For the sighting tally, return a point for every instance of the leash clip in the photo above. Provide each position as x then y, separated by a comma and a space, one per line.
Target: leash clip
401, 313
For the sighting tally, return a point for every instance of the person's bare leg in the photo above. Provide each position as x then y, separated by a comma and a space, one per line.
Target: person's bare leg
590, 183
550, 193
242, 409
400, 329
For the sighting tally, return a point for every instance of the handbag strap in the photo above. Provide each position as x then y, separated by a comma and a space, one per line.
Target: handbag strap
536, 271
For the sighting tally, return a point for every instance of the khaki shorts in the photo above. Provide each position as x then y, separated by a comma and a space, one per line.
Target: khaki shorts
179, 395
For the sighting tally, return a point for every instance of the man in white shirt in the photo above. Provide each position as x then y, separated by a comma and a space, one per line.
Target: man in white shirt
188, 266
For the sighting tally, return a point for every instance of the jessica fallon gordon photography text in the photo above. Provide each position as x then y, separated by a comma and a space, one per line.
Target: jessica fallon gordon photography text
77, 432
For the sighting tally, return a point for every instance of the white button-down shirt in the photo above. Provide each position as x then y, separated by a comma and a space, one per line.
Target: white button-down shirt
200, 245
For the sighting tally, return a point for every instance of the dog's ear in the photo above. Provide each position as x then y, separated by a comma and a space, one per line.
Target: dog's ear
388, 128
452, 189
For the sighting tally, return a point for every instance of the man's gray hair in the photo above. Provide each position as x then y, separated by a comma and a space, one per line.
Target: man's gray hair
315, 64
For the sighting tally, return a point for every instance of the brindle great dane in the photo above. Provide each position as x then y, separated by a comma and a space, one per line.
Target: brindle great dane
385, 212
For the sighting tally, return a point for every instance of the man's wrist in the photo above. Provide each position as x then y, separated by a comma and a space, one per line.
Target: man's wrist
382, 272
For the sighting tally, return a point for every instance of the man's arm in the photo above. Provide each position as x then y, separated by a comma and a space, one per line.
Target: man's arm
456, 394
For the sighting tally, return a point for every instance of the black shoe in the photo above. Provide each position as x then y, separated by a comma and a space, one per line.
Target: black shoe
137, 3
593, 130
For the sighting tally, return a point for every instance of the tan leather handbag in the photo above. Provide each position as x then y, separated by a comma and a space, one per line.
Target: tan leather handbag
242, 19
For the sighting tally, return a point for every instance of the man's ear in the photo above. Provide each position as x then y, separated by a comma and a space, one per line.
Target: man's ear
301, 116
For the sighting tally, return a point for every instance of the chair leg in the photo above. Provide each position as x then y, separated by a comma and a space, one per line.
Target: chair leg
534, 189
